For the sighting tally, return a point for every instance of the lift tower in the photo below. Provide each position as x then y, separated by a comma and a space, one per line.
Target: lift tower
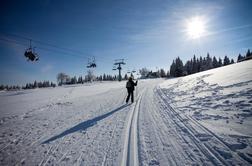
119, 62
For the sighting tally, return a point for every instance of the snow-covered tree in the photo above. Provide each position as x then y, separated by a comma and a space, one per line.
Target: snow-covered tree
144, 72
90, 75
62, 78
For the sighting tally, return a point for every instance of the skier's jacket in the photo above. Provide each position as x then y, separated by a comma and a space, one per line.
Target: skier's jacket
130, 85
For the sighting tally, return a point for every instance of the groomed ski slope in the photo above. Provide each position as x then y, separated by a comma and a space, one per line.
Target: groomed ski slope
190, 120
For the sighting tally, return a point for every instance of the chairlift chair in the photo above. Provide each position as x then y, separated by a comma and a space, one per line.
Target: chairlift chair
30, 54
91, 64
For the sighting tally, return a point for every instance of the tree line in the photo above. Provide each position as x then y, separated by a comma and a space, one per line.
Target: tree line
64, 79
35, 84
177, 69
195, 65
146, 73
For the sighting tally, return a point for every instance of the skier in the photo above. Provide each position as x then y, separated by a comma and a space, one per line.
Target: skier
130, 85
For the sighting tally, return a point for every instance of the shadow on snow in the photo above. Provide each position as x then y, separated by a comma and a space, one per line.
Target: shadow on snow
83, 125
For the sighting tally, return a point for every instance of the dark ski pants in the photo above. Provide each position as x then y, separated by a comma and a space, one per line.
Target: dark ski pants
130, 93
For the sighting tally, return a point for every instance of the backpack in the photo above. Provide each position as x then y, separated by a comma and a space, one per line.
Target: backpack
128, 84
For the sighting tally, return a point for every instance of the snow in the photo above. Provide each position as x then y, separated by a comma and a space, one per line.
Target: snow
201, 119
220, 100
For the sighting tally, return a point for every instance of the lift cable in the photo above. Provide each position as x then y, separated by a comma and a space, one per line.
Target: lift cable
64, 50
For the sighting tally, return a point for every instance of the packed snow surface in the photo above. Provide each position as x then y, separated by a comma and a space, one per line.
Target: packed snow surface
201, 119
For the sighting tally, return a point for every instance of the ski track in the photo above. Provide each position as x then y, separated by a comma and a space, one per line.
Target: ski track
206, 141
130, 153
148, 132
161, 142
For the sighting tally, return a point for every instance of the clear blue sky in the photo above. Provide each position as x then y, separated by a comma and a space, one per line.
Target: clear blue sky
147, 33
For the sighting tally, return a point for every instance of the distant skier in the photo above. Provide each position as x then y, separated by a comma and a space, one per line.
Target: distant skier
130, 85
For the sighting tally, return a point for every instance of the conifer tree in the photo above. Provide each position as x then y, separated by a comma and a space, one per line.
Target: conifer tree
226, 61
220, 62
232, 61
240, 57
215, 62
248, 54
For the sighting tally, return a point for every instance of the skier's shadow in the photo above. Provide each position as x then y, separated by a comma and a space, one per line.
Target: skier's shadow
83, 125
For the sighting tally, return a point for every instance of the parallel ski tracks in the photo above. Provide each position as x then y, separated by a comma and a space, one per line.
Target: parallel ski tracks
207, 149
130, 148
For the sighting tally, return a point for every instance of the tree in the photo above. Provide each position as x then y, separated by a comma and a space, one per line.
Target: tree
126, 77
178, 68
215, 62
162, 73
232, 61
240, 58
203, 65
62, 78
220, 62
90, 75
35, 85
198, 65
144, 72
172, 69
209, 62
194, 65
248, 54
188, 67
104, 77
53, 85
45, 84
80, 80
73, 80
168, 73
226, 61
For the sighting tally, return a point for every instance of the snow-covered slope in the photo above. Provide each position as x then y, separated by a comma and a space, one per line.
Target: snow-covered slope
201, 119
220, 100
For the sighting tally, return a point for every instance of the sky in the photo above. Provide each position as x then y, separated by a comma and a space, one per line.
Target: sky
146, 33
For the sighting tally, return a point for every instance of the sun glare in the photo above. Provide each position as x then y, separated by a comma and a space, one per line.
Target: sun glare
195, 27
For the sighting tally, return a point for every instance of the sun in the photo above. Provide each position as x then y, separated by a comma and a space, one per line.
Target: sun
195, 27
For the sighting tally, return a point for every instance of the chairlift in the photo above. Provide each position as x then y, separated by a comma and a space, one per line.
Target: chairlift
91, 64
114, 68
30, 54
